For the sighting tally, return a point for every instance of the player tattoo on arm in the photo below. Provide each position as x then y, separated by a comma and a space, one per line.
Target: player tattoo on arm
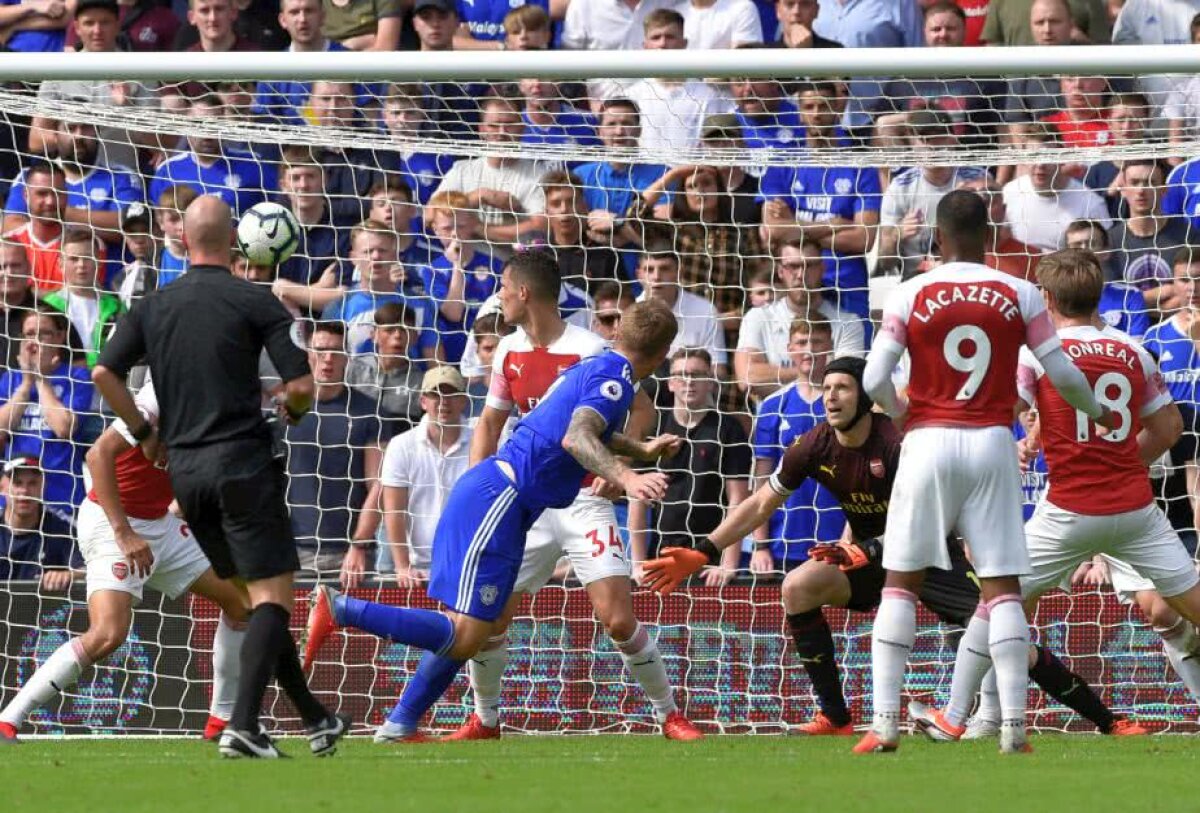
583, 442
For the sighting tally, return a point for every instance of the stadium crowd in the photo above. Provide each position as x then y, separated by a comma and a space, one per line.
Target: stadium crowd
393, 287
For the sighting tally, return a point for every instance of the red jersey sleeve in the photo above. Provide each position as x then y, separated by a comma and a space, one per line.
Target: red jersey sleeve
1040, 336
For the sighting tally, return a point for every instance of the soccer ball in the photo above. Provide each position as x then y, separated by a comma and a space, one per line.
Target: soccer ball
268, 234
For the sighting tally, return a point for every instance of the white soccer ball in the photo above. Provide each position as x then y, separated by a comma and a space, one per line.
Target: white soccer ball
268, 234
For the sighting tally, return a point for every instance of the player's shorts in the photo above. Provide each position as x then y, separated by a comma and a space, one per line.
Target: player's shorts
479, 542
234, 497
1059, 540
1126, 582
178, 560
586, 532
952, 595
957, 482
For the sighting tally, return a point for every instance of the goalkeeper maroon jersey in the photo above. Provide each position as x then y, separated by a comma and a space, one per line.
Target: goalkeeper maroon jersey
860, 478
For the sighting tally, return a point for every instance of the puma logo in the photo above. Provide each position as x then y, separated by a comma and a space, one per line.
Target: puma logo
516, 368
830, 470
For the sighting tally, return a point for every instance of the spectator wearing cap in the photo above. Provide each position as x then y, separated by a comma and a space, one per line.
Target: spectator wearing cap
333, 461
908, 211
763, 360
838, 207
672, 110
92, 310
582, 261
1003, 251
420, 467
16, 299
721, 131
1043, 203
364, 25
712, 24
41, 234
36, 542
506, 191
46, 403
766, 119
388, 375
1023, 22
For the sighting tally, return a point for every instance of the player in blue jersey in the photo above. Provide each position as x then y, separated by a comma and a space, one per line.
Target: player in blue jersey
480, 538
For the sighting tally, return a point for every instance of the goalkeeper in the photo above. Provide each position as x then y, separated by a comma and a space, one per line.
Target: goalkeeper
854, 454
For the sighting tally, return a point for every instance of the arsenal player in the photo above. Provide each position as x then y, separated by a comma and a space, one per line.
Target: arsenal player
130, 540
855, 454
1099, 500
963, 325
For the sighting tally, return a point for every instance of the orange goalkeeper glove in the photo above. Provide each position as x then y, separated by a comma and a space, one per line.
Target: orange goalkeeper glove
666, 572
847, 555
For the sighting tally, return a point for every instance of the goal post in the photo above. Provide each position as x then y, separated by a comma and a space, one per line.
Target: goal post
780, 185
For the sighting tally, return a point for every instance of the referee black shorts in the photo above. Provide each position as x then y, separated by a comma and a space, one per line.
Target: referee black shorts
951, 595
233, 496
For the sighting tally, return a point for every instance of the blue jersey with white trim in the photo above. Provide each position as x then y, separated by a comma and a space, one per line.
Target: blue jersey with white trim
547, 476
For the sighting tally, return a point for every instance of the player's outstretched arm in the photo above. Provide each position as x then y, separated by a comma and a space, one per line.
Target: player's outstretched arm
582, 442
102, 466
645, 450
1160, 431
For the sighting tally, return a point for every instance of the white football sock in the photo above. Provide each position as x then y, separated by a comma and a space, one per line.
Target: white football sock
891, 642
56, 675
989, 699
227, 666
486, 670
645, 663
1182, 646
972, 662
1008, 641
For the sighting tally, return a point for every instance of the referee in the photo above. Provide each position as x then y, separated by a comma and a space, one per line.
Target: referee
202, 337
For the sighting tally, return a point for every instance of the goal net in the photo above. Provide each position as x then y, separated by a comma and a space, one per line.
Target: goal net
773, 198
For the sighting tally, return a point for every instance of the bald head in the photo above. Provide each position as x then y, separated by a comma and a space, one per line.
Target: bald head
208, 231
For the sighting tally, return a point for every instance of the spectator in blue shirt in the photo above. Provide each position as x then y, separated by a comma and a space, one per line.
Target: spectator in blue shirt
405, 117
169, 207
768, 118
211, 168
481, 22
1182, 196
36, 542
811, 514
550, 120
838, 207
47, 21
1121, 306
461, 277
47, 406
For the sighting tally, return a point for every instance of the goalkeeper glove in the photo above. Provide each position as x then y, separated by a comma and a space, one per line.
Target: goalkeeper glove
848, 555
665, 573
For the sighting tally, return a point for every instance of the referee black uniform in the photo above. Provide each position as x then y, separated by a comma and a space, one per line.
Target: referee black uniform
202, 337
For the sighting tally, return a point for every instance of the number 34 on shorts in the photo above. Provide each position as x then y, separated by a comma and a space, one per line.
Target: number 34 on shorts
606, 540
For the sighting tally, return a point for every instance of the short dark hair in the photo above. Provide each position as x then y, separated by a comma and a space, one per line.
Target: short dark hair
330, 326
623, 103
491, 324
1089, 225
941, 6
391, 314
611, 289
662, 16
962, 214
537, 269
685, 353
390, 184
43, 168
660, 247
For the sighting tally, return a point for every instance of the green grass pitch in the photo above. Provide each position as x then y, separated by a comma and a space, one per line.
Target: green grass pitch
612, 774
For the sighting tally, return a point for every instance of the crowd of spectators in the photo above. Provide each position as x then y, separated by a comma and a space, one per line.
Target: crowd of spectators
768, 265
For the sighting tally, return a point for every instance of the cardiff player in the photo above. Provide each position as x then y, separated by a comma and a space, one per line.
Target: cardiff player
855, 454
480, 538
525, 365
963, 325
129, 541
1099, 500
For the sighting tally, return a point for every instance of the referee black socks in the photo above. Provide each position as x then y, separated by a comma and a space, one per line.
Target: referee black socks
269, 651
814, 648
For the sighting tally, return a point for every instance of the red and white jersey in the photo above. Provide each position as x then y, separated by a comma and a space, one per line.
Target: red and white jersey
963, 325
145, 489
521, 373
1090, 473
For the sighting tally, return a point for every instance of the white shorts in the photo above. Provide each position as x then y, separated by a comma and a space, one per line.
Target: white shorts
962, 481
178, 560
586, 532
1143, 539
1126, 582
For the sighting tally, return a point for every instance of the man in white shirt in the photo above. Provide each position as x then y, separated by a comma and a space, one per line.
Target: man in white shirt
658, 272
419, 468
507, 191
762, 362
608, 25
672, 111
721, 24
1043, 203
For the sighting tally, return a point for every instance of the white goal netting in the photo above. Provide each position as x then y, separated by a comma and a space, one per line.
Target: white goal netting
772, 210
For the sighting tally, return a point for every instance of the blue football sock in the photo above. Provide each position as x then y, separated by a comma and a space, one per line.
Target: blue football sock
434, 675
426, 629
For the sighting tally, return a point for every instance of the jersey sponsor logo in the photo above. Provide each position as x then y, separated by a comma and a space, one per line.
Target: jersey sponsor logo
862, 502
120, 570
611, 390
488, 594
877, 469
944, 297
